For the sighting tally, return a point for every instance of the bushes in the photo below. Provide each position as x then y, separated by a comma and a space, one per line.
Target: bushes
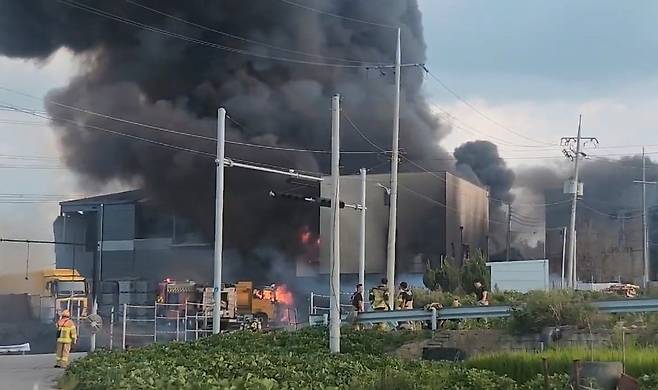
555, 308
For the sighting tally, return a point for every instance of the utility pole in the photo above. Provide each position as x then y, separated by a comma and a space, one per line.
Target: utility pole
392, 216
509, 232
219, 222
564, 254
334, 300
567, 142
362, 232
98, 278
645, 231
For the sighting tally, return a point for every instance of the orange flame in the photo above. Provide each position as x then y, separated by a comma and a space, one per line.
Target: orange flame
284, 296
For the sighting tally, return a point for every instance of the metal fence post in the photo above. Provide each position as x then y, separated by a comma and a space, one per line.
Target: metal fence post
196, 325
111, 327
177, 324
185, 324
155, 323
125, 317
312, 304
434, 318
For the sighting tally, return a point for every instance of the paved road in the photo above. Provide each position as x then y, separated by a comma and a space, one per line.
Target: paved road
29, 372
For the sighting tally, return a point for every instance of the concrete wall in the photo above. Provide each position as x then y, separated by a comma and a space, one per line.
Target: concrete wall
467, 206
425, 226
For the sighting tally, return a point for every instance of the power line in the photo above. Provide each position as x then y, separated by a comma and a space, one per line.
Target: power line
147, 27
479, 112
319, 11
183, 133
233, 36
463, 126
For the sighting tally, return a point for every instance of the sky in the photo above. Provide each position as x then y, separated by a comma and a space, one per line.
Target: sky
529, 67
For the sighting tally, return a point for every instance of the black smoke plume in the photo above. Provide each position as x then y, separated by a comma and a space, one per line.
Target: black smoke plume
144, 74
480, 160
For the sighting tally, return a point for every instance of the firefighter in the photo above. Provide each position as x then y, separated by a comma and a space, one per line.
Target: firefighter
357, 303
405, 301
66, 336
379, 296
357, 299
481, 294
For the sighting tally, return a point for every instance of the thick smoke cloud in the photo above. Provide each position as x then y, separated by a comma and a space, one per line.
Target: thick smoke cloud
150, 77
480, 159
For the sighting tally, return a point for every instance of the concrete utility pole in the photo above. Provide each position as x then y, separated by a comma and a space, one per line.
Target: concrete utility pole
564, 254
98, 278
393, 205
575, 156
645, 230
219, 222
362, 232
334, 300
509, 231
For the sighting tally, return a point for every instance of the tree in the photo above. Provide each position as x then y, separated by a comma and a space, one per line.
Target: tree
474, 270
446, 277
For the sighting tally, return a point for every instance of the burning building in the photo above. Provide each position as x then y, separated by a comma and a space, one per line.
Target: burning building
439, 215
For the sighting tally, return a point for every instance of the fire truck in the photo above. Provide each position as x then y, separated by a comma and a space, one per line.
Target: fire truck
242, 304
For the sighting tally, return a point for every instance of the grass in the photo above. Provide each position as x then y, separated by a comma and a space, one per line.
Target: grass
523, 366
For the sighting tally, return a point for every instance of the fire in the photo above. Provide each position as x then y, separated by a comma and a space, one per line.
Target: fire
284, 296
305, 237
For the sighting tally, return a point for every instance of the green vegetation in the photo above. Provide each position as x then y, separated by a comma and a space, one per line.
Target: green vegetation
450, 277
279, 360
523, 366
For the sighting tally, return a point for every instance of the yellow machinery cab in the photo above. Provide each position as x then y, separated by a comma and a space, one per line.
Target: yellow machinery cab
68, 288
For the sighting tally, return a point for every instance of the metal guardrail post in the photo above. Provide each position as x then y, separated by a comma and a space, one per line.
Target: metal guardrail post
125, 317
434, 318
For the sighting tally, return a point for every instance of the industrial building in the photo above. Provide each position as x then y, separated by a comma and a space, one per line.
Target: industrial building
439, 215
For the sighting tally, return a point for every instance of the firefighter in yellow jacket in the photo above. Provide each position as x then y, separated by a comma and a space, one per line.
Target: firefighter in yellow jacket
66, 336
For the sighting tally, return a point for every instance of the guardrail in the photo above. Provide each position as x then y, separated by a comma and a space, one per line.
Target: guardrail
628, 306
470, 312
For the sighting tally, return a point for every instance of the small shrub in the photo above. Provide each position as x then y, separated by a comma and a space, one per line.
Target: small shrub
555, 308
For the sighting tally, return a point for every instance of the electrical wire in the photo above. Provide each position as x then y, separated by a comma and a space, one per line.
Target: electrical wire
479, 112
319, 11
237, 37
147, 27
183, 133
